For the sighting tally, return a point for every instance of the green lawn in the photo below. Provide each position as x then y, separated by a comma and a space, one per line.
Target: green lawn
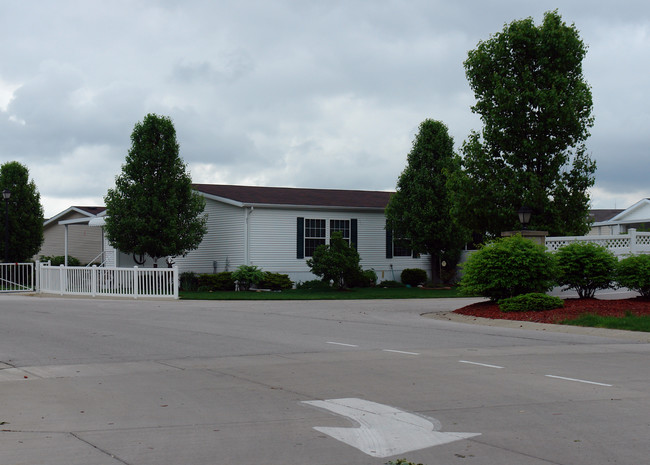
307, 294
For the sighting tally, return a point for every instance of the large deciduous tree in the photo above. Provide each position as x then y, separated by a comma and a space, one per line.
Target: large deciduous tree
419, 212
536, 109
25, 213
153, 210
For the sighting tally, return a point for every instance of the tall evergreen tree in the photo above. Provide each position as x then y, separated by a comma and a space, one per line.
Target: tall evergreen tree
419, 212
153, 210
25, 213
536, 108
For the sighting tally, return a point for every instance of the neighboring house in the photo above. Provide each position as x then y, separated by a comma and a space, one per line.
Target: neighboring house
278, 229
619, 221
70, 229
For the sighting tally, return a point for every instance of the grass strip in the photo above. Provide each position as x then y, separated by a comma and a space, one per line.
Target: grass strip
628, 322
333, 294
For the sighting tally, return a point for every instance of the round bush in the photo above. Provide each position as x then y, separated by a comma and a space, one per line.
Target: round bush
634, 273
413, 276
585, 267
507, 267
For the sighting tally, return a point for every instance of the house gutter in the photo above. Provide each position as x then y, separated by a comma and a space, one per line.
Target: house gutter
287, 206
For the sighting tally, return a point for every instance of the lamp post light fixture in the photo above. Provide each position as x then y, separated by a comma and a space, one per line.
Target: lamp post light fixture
6, 195
524, 216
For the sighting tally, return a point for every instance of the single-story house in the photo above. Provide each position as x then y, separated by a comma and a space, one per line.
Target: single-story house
278, 229
619, 221
69, 230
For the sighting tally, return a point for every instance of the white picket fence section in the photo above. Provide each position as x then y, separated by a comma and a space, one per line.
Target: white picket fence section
17, 277
108, 281
632, 243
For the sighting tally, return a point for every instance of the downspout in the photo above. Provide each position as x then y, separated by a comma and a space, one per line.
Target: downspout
247, 235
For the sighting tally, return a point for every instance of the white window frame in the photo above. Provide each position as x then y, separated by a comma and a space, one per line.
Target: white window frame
330, 227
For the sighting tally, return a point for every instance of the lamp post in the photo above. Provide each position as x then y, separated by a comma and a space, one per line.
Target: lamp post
6, 195
524, 216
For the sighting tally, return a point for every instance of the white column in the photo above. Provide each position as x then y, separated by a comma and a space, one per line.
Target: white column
65, 248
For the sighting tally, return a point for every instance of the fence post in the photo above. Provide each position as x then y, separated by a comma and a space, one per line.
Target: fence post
93, 280
37, 277
634, 249
135, 282
62, 279
175, 278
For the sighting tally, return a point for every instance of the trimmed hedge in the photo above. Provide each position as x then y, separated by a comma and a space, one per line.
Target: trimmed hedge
59, 260
533, 302
189, 281
217, 282
314, 284
275, 281
413, 276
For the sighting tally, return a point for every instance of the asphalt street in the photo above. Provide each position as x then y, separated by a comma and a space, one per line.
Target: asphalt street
88, 382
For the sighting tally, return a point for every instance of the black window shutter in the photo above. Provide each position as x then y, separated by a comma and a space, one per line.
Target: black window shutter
389, 243
353, 233
300, 235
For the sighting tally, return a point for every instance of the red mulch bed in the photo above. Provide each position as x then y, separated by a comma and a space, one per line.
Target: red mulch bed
573, 308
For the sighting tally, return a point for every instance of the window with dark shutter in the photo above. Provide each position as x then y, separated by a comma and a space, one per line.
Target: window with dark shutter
389, 243
300, 242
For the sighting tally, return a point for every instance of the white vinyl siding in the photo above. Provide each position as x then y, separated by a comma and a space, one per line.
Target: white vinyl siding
84, 242
224, 242
270, 241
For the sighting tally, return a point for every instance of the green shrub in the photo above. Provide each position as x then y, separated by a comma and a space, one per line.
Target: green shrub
314, 285
189, 281
507, 267
413, 276
275, 281
337, 261
216, 282
585, 267
60, 260
365, 278
247, 275
533, 302
391, 284
634, 273
370, 277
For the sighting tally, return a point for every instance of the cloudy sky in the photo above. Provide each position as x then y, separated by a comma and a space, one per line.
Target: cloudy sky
301, 93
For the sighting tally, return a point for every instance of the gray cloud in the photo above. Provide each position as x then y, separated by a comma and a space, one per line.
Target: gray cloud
292, 92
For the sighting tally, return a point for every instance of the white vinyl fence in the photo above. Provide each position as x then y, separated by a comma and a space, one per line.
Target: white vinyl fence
16, 277
632, 243
109, 281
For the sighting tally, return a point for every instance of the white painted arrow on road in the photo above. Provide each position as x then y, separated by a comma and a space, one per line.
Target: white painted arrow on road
384, 430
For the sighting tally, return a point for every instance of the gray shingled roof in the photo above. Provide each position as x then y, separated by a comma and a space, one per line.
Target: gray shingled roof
255, 195
603, 214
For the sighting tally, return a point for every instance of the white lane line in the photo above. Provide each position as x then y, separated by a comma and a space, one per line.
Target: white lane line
479, 364
579, 380
341, 344
400, 352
